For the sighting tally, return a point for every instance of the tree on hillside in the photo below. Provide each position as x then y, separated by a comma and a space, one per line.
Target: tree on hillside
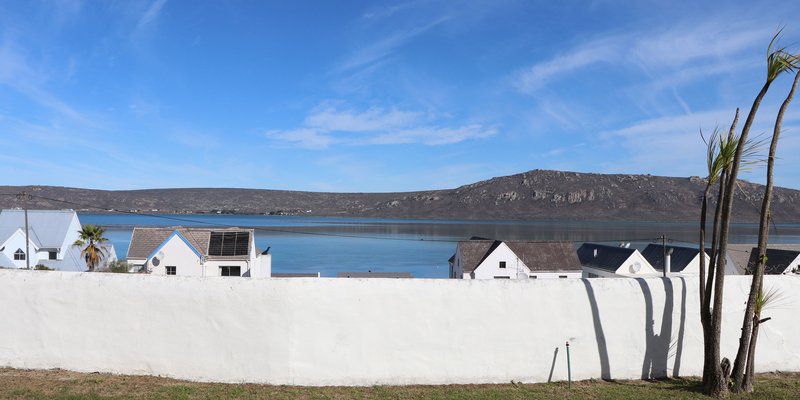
91, 238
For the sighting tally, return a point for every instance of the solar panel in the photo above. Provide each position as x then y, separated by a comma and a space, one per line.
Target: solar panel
229, 244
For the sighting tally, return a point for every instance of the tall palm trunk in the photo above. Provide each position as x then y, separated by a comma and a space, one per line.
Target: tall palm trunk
706, 286
745, 346
717, 382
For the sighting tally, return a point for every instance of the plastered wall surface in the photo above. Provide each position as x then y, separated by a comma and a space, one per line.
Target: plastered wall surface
376, 331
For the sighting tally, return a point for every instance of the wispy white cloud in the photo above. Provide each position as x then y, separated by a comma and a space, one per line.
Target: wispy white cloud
150, 14
671, 145
668, 52
326, 126
382, 48
309, 138
17, 73
331, 119
539, 74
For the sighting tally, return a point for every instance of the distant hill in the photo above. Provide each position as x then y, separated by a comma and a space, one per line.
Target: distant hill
533, 195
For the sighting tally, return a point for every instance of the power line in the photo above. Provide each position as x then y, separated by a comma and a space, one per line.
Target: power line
291, 231
194, 221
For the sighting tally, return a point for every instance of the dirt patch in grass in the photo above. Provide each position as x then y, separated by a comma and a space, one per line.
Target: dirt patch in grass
66, 385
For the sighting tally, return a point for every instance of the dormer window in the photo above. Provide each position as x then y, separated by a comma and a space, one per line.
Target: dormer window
19, 254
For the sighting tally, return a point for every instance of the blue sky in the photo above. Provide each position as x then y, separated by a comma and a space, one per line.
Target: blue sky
376, 96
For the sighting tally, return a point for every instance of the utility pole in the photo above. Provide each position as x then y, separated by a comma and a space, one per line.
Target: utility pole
664, 256
24, 197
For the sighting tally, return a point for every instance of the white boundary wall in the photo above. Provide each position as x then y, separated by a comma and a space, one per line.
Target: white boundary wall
374, 331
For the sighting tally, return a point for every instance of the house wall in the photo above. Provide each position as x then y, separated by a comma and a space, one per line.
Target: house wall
17, 241
178, 254
589, 272
693, 268
645, 269
213, 267
71, 236
793, 266
490, 267
376, 331
554, 274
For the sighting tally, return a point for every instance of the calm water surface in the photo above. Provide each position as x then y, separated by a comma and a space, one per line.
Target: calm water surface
422, 247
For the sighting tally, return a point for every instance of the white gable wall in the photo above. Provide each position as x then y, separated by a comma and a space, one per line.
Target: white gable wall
626, 269
490, 267
71, 236
17, 241
693, 268
645, 269
793, 266
176, 253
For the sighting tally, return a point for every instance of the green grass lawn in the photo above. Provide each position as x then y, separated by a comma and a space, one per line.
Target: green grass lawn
56, 384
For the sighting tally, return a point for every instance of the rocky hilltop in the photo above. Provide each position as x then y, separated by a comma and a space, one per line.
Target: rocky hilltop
533, 195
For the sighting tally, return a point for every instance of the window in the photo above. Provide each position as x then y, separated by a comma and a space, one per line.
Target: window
591, 275
52, 255
230, 271
502, 277
562, 276
533, 277
19, 254
229, 244
172, 270
502, 264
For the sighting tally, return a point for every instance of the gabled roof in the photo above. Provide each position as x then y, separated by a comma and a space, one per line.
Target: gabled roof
47, 228
537, 255
742, 256
144, 241
777, 260
607, 258
473, 252
680, 258
546, 256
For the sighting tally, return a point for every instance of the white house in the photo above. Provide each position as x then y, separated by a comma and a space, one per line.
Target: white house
782, 259
680, 260
198, 252
51, 234
495, 259
602, 261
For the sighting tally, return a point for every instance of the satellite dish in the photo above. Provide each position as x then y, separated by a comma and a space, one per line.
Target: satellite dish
635, 267
155, 261
160, 254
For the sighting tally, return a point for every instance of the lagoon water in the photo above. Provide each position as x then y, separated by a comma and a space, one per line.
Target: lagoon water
329, 245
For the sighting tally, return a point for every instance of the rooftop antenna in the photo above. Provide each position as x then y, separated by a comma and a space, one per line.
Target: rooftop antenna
24, 197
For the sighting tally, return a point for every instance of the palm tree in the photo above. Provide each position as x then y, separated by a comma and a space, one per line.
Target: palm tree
715, 374
91, 236
742, 367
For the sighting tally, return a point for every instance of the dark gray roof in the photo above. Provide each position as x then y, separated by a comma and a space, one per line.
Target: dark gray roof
537, 255
680, 258
146, 240
742, 255
609, 258
370, 274
777, 260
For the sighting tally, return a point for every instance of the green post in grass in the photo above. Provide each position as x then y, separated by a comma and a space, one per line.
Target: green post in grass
569, 370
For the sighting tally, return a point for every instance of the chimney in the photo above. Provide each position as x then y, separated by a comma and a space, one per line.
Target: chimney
668, 263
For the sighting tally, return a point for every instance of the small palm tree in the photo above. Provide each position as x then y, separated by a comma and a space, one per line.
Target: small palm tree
91, 236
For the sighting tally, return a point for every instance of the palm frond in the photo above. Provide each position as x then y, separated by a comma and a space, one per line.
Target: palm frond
778, 59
